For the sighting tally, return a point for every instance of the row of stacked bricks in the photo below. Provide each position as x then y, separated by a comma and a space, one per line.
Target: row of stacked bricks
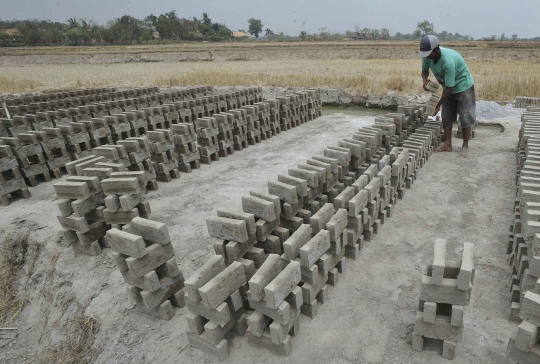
445, 291
288, 246
90, 126
524, 251
524, 102
99, 194
524, 244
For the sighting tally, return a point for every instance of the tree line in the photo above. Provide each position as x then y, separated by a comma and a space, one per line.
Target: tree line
124, 30
169, 27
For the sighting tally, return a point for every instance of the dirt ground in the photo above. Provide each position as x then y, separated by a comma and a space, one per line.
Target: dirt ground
370, 314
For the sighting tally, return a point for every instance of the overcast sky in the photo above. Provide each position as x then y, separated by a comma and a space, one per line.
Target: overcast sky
477, 18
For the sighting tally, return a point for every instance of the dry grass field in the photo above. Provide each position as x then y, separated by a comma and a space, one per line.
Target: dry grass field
499, 79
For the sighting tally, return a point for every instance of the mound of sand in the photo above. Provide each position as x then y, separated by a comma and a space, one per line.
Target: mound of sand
489, 110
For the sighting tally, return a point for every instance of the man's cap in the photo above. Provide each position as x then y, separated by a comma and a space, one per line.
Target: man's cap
427, 45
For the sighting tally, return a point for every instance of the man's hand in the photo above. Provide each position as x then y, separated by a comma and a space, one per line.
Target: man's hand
437, 109
426, 81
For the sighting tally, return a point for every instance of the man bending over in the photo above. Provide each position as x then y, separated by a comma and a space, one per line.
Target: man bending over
458, 97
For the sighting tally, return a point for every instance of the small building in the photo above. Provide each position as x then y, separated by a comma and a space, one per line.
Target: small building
240, 35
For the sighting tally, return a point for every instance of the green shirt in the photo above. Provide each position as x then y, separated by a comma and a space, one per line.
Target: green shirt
451, 69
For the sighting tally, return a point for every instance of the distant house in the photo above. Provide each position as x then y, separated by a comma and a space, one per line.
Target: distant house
240, 35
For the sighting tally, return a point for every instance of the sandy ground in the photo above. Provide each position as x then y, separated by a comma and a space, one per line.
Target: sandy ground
369, 317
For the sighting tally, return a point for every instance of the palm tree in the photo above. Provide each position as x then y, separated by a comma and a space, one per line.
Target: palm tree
269, 33
73, 23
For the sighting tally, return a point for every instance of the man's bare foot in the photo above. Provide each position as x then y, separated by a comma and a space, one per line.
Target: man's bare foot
444, 148
464, 152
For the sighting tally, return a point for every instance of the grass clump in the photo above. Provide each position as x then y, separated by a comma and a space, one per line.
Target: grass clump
13, 251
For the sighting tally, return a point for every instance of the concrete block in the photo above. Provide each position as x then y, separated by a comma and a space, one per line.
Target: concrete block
430, 311
315, 248
126, 243
291, 247
457, 315
439, 262
222, 286
527, 334
155, 256
279, 288
262, 209
321, 218
209, 270
227, 229
266, 273
152, 231
467, 267
239, 215
449, 349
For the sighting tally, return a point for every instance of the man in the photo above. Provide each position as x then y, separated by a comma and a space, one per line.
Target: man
458, 97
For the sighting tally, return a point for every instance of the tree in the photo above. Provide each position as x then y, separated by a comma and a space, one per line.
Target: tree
385, 33
268, 33
303, 35
424, 28
514, 37
255, 27
503, 37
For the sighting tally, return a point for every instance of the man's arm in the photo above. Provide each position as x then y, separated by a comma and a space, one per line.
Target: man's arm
446, 94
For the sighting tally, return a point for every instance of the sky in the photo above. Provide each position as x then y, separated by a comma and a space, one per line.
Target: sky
477, 18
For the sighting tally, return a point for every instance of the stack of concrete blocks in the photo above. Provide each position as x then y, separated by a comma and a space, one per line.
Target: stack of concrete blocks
125, 197
373, 139
261, 109
524, 241
16, 125
185, 146
301, 98
239, 129
53, 146
77, 139
357, 164
241, 98
524, 345
170, 113
395, 119
156, 120
322, 257
285, 114
40, 121
120, 125
273, 115
389, 130
215, 306
253, 125
184, 112
30, 157
225, 137
197, 109
163, 154
207, 139
266, 209
140, 156
98, 110
11, 180
446, 290
82, 204
276, 299
399, 175
433, 87
524, 102
209, 105
116, 159
137, 122
99, 132
231, 100
145, 256
355, 199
